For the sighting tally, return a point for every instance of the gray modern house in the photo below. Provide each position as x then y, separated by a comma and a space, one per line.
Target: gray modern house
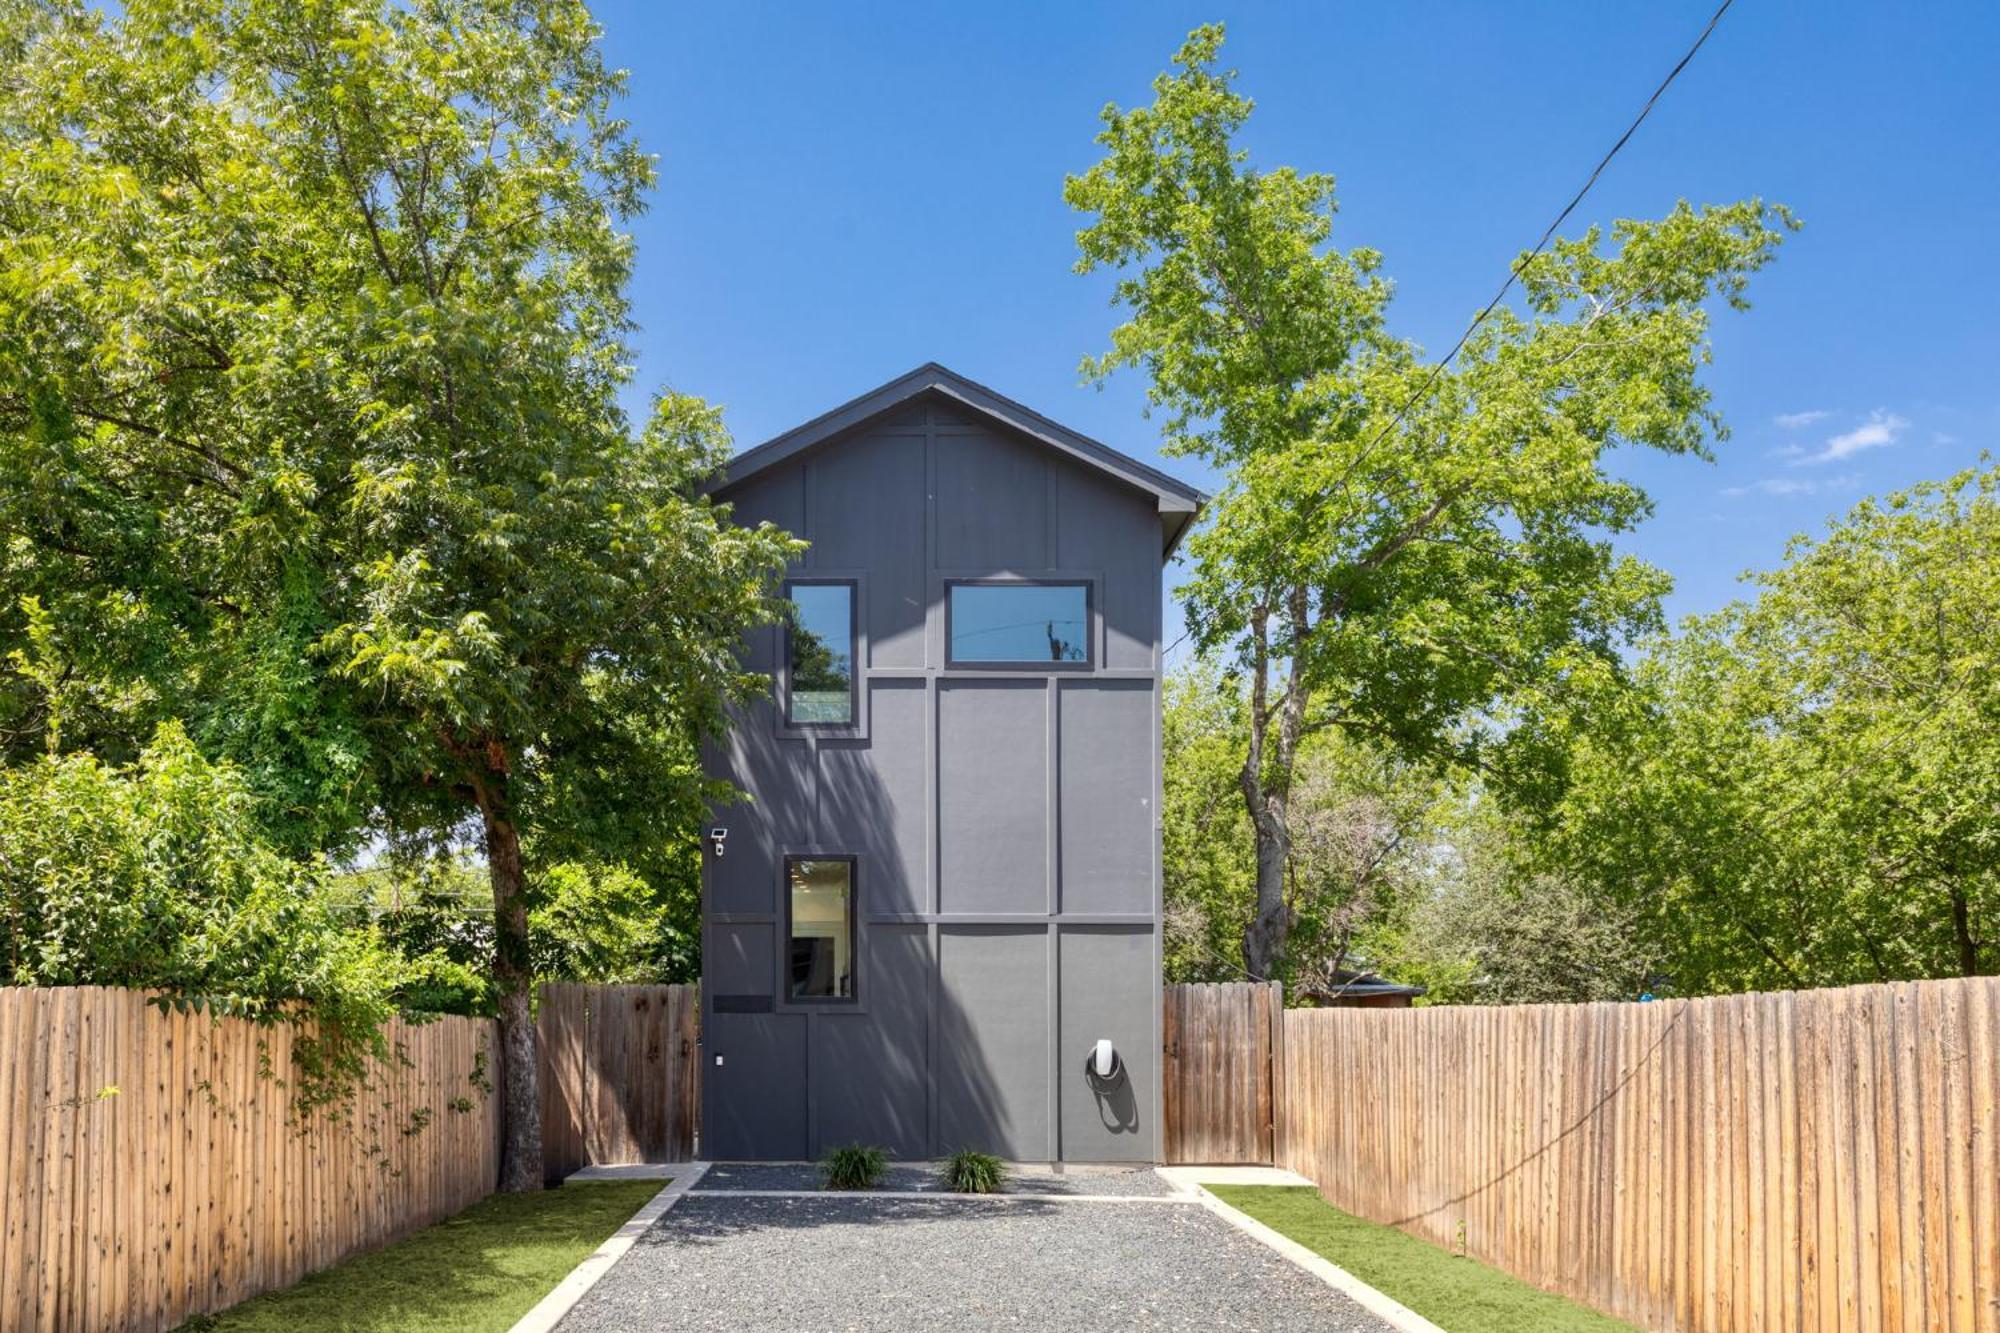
936, 923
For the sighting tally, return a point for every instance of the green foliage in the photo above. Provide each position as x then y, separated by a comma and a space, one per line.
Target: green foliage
1441, 579
1208, 867
585, 923
968, 1172
310, 345
854, 1167
1490, 928
156, 877
1804, 793
1367, 836
312, 325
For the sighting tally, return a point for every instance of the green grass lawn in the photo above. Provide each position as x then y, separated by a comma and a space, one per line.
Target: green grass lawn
477, 1271
1454, 1293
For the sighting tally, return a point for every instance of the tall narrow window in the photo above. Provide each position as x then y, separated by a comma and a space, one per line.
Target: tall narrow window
819, 928
1019, 623
819, 690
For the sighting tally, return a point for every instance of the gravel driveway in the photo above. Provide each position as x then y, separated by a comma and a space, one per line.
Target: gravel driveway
796, 1262
903, 1177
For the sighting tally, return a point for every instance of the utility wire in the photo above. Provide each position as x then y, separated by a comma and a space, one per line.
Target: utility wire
1522, 265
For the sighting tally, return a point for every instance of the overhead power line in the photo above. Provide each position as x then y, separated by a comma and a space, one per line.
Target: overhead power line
1522, 265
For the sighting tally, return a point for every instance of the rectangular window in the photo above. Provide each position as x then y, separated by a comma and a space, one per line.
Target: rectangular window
819, 655
819, 928
1019, 623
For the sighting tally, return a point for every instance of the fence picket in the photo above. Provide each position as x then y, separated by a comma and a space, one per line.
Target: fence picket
1812, 1160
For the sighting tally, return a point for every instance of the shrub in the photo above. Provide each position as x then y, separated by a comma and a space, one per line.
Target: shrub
853, 1168
971, 1172
156, 877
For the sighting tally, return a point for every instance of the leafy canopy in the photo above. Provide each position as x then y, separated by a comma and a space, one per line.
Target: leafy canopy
1438, 576
156, 876
311, 329
1803, 793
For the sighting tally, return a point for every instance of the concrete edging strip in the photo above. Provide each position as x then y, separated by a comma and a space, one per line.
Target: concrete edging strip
549, 1311
1383, 1307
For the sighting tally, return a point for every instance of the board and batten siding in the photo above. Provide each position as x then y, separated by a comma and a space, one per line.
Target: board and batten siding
1005, 821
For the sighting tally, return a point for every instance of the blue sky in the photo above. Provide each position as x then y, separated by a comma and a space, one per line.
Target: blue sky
850, 190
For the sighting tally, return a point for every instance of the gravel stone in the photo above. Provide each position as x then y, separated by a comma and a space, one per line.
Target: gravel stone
800, 1262
904, 1177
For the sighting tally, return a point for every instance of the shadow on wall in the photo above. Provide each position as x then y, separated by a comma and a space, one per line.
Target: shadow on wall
955, 1027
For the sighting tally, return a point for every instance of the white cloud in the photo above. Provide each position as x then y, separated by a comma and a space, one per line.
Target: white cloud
1783, 486
1879, 431
1795, 420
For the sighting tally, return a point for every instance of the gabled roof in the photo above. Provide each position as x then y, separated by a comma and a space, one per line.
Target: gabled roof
1178, 501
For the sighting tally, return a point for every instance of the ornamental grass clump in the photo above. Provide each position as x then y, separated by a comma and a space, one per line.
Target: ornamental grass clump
854, 1167
974, 1173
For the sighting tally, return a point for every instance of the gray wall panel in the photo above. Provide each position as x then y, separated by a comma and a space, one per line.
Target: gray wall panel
778, 774
1108, 818
1109, 989
755, 1106
993, 816
993, 1033
871, 1070
992, 503
872, 799
867, 503
1114, 530
738, 959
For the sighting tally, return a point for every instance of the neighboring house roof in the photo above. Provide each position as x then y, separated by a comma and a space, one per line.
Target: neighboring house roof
1350, 985
1178, 501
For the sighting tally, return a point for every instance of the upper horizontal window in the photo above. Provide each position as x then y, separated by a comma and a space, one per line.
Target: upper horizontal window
1023, 623
819, 690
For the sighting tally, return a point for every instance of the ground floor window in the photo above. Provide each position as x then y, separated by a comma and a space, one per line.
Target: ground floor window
819, 928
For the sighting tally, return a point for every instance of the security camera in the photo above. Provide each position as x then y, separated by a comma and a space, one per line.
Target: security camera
715, 837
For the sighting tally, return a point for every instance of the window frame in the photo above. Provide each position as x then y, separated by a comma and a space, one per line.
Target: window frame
952, 662
854, 651
785, 997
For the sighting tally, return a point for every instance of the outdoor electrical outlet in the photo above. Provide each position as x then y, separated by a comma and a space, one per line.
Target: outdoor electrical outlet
718, 1061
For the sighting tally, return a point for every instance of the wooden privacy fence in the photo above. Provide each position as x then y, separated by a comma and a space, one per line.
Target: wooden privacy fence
1816, 1160
620, 1074
1223, 1063
154, 1170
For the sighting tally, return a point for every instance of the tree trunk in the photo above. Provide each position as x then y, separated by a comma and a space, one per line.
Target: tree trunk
1269, 932
1961, 934
1266, 780
513, 975
1264, 939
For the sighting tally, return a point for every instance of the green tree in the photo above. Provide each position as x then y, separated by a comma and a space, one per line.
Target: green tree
311, 335
1804, 793
1366, 833
156, 876
1441, 579
1208, 880
1487, 925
